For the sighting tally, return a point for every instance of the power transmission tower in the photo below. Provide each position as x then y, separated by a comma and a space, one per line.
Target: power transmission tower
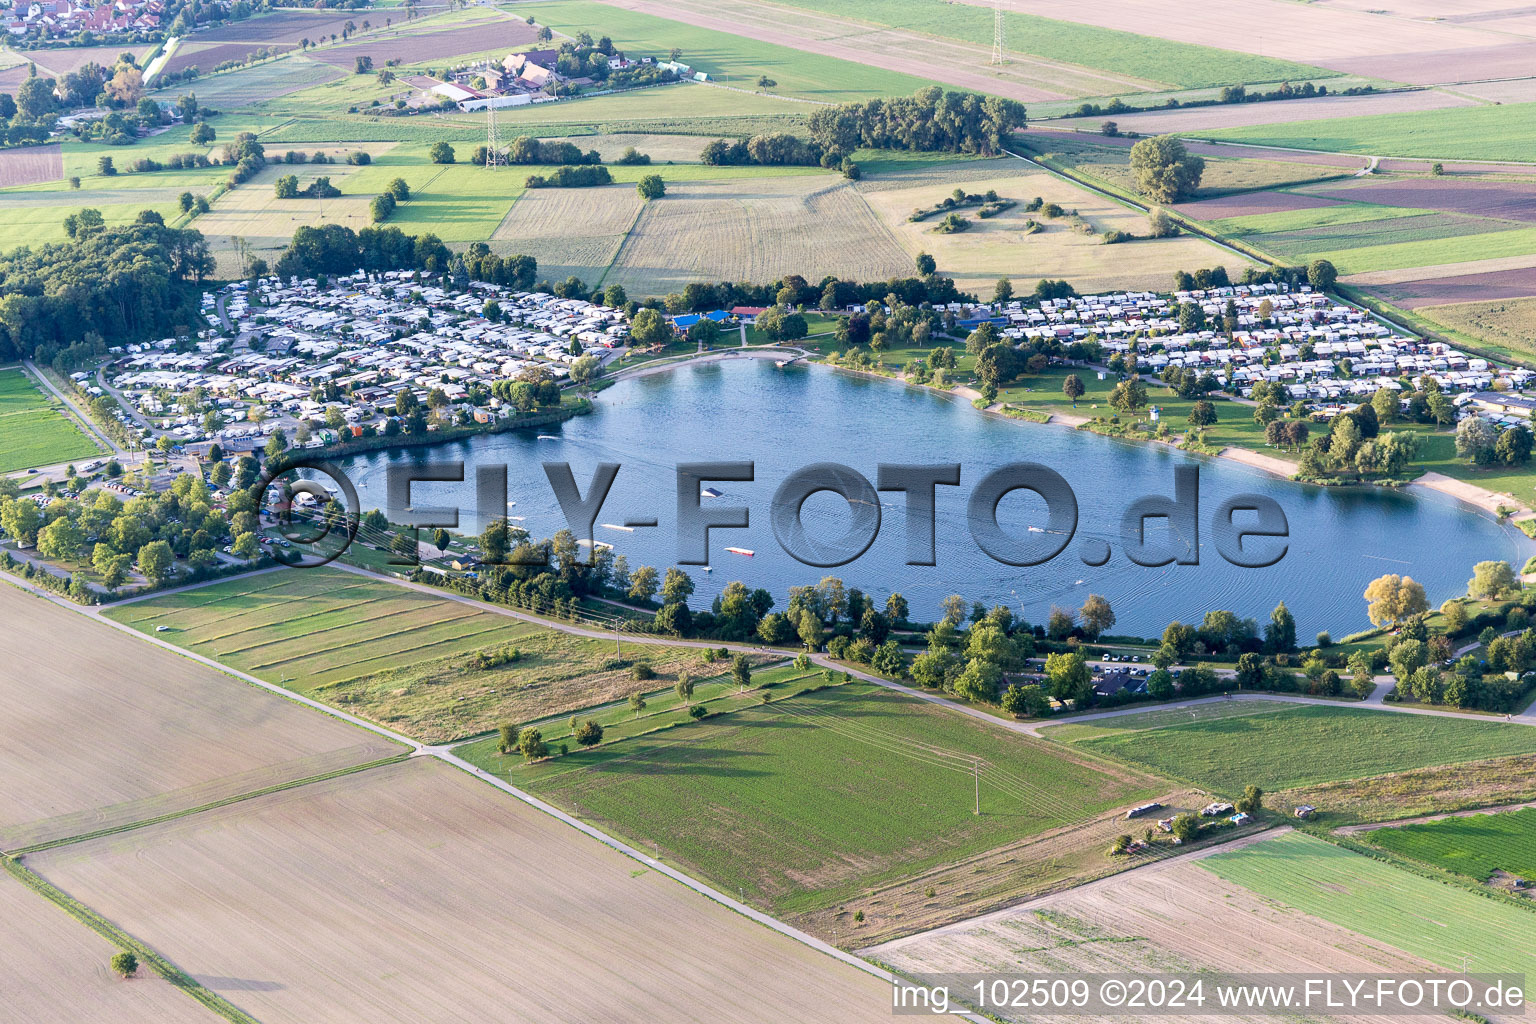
492, 144
997, 33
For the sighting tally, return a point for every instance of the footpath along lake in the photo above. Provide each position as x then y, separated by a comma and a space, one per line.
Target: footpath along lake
786, 419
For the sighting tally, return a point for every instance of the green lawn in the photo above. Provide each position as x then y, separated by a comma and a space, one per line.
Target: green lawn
1300, 220
31, 432
1502, 132
1126, 53
1432, 251
736, 59
1158, 718
1476, 845
804, 800
1439, 922
1306, 744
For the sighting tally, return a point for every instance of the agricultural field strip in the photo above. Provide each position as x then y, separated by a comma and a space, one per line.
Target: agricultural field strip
307, 633
1154, 718
527, 798
1424, 917
1474, 845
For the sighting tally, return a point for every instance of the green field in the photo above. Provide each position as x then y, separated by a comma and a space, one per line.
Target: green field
1500, 132
1438, 922
1475, 845
32, 433
1127, 53
1305, 745
803, 801
737, 59
1158, 718
395, 655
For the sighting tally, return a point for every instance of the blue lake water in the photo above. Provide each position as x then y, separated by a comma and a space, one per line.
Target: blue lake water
785, 419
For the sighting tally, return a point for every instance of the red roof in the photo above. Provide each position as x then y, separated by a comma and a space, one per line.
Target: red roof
747, 310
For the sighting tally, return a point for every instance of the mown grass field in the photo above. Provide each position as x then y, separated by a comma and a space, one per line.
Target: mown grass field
1474, 845
392, 654
1438, 922
1500, 132
737, 59
1308, 744
32, 433
1181, 64
1070, 732
800, 802
1419, 252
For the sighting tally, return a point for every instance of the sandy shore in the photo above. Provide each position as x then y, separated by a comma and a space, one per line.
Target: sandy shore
1258, 460
1472, 494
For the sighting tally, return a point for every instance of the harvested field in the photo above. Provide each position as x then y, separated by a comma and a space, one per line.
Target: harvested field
58, 62
209, 55
286, 26
1474, 845
87, 701
254, 212
1445, 925
1167, 918
1238, 115
30, 165
851, 794
1477, 301
755, 229
999, 247
955, 62
1509, 322
1420, 791
1519, 90
570, 230
1299, 745
233, 89
415, 892
55, 971
1499, 199
1465, 268
1252, 204
421, 45
390, 653
1441, 67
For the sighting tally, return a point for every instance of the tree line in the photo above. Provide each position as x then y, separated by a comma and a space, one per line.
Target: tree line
930, 120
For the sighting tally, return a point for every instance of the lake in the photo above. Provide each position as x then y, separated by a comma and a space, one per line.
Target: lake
785, 419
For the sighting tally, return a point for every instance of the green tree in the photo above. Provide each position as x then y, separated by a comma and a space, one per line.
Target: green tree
1068, 675
684, 687
1027, 701
1491, 580
979, 681
926, 264
1202, 414
1073, 388
651, 186
741, 672
1096, 616
676, 587
1251, 802
1128, 396
1321, 275
637, 703
1392, 598
809, 629
155, 560
1186, 827
245, 546
1165, 171
60, 540
649, 327
506, 734
124, 964
1280, 631
589, 733
441, 153
643, 583
530, 742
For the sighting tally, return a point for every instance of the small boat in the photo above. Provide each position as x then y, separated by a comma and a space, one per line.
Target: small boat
709, 492
613, 526
1035, 529
518, 518
548, 437
587, 543
741, 551
510, 504
708, 569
